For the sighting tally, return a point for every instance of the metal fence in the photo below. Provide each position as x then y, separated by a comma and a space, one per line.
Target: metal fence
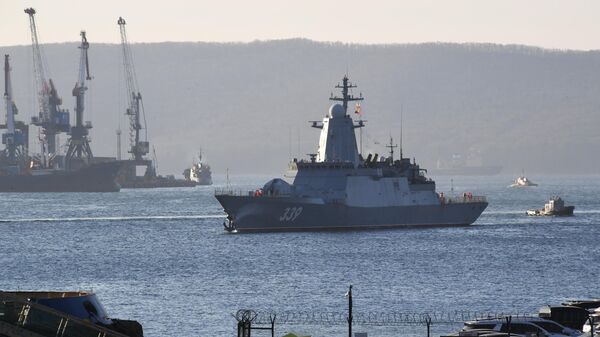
376, 318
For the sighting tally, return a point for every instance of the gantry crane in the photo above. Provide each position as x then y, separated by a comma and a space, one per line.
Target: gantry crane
138, 148
79, 144
14, 138
52, 119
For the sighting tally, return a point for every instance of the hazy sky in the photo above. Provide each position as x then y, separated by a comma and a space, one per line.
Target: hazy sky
568, 24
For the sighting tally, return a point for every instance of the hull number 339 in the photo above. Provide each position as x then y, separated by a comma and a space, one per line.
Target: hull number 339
290, 213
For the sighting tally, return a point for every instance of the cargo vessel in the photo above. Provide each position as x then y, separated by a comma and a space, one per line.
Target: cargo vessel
48, 171
97, 177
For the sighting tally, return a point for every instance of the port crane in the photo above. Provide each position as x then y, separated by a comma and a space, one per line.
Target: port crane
16, 132
79, 144
138, 148
51, 118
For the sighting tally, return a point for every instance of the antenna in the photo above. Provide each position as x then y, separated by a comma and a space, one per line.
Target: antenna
228, 184
119, 143
401, 123
346, 97
360, 136
391, 147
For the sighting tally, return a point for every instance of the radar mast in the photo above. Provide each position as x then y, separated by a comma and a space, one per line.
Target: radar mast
346, 96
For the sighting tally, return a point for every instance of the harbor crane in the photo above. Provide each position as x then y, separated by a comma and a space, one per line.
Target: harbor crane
138, 148
15, 136
79, 144
52, 119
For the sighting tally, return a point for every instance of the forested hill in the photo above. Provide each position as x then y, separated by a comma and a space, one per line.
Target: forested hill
247, 104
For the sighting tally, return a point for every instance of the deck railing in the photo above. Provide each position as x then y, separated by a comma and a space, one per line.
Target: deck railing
462, 199
234, 192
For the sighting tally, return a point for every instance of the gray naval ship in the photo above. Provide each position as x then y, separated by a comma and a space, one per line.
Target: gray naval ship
336, 189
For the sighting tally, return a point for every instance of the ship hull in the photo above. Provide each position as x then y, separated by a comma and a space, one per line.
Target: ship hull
98, 177
265, 214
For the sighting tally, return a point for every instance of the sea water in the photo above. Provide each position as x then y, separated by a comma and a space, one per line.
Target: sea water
161, 257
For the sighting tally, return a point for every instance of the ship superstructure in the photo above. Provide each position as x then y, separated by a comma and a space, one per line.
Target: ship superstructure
338, 189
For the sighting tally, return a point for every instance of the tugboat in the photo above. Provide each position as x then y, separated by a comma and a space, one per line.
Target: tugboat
522, 181
338, 189
60, 313
555, 206
199, 173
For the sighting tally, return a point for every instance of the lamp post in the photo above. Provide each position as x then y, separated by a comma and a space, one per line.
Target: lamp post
349, 295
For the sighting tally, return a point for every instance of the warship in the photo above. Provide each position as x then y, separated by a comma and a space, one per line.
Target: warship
48, 171
338, 189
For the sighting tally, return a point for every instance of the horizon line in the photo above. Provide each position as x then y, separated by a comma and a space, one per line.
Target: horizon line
367, 44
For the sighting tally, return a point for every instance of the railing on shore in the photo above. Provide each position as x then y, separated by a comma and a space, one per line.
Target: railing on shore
378, 318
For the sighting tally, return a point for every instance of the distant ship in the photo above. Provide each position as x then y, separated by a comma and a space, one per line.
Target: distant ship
459, 166
97, 177
199, 173
338, 189
522, 181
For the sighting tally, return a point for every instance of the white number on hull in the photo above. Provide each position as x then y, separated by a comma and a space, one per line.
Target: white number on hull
290, 213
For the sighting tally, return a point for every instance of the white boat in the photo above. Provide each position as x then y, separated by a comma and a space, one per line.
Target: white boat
199, 173
522, 181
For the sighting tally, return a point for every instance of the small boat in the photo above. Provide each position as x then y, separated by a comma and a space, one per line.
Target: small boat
522, 181
555, 206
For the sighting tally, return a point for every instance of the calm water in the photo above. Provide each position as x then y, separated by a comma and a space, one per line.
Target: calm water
161, 257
